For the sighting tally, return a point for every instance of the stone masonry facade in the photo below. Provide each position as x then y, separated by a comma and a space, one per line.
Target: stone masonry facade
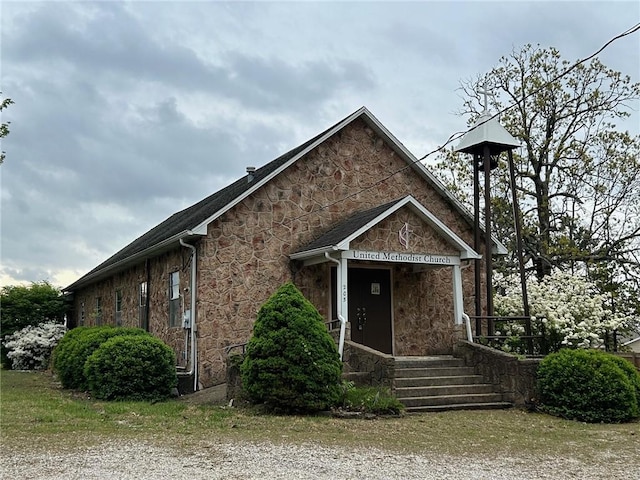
244, 257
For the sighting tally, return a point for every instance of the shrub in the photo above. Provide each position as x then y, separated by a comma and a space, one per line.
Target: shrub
632, 374
291, 363
374, 400
30, 348
131, 367
569, 312
23, 306
75, 347
589, 385
61, 353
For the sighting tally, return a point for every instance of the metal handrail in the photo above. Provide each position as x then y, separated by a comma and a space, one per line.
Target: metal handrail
243, 346
333, 324
492, 319
467, 322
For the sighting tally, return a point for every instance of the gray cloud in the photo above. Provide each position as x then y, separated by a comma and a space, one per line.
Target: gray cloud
127, 112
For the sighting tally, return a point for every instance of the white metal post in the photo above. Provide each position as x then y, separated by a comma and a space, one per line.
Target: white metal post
458, 305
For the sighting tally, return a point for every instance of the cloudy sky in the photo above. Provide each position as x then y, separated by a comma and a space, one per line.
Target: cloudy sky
126, 112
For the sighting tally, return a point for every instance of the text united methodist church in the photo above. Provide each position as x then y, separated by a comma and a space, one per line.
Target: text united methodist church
402, 257
351, 217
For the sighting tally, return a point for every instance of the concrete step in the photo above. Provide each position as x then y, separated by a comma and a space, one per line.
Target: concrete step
473, 398
435, 381
443, 390
459, 406
428, 362
433, 372
443, 382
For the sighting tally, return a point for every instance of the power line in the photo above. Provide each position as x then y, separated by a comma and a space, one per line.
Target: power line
458, 135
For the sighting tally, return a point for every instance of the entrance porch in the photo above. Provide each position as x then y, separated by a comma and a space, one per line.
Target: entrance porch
396, 279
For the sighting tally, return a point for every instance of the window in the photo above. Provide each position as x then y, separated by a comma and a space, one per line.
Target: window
174, 299
142, 305
118, 316
81, 313
98, 310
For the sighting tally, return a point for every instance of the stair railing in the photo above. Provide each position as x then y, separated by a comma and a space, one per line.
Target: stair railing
467, 322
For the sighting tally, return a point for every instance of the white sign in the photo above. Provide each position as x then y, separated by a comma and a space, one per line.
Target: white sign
401, 257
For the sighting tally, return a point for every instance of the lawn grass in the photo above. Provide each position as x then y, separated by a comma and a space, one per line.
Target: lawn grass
37, 415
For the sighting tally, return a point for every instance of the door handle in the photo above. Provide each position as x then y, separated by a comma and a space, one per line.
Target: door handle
361, 317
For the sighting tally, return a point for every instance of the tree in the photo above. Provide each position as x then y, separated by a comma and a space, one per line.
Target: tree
578, 178
29, 305
4, 126
569, 311
292, 363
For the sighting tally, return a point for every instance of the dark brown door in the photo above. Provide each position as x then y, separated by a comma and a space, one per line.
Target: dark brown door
370, 308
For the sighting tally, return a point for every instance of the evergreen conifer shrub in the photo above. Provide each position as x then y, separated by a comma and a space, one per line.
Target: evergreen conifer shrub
74, 348
292, 363
131, 367
589, 385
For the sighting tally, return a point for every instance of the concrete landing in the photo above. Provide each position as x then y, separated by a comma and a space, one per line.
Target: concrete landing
216, 395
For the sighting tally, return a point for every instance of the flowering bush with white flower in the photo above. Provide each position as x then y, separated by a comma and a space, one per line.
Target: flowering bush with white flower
566, 309
30, 348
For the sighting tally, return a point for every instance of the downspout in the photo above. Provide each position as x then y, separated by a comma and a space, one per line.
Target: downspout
194, 359
343, 322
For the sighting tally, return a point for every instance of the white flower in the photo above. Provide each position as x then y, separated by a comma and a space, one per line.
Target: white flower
567, 305
31, 347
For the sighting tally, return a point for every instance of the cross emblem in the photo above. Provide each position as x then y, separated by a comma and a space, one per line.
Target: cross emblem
483, 90
403, 235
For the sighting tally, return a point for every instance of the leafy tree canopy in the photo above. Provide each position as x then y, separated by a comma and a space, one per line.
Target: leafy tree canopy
577, 173
30, 305
4, 126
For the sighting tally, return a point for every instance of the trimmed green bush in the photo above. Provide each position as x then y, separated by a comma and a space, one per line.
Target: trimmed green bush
62, 356
131, 367
292, 363
589, 385
632, 374
74, 348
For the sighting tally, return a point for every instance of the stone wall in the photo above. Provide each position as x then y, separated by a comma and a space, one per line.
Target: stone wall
367, 366
128, 282
514, 377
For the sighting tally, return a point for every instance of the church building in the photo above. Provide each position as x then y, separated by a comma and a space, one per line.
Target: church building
351, 217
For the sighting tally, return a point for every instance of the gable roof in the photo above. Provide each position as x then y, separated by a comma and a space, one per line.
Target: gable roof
340, 236
193, 221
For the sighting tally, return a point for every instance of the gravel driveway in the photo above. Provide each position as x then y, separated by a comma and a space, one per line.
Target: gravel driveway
262, 461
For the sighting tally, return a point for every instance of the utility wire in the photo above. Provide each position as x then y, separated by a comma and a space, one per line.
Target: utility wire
458, 135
